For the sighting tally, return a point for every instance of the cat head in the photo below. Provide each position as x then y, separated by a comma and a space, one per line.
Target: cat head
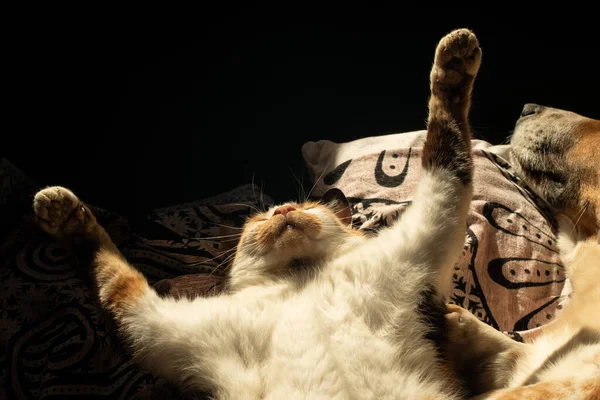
276, 242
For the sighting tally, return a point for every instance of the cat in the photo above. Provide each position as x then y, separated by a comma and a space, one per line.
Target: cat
312, 308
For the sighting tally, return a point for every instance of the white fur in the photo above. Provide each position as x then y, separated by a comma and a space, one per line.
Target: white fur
347, 329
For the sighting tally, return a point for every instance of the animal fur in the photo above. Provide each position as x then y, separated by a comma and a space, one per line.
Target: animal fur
313, 309
555, 151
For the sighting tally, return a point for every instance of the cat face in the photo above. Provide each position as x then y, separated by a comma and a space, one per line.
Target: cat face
276, 240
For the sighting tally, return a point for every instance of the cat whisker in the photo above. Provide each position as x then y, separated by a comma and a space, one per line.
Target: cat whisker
252, 206
219, 237
301, 191
253, 186
228, 258
227, 226
235, 239
262, 201
211, 259
318, 179
580, 214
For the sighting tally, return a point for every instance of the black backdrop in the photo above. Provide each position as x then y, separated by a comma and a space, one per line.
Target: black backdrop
135, 109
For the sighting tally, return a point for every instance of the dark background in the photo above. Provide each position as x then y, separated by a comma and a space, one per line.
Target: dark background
135, 109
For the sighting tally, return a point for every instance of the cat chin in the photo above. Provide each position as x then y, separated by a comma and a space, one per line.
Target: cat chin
296, 253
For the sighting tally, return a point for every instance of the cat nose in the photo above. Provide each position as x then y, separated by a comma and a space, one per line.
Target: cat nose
283, 210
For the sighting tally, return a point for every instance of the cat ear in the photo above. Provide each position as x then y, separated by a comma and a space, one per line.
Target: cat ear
335, 199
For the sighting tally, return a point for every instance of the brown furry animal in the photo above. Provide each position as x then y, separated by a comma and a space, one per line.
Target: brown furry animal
558, 153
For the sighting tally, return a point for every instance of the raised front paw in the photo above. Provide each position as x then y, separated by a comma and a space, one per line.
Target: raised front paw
457, 60
59, 212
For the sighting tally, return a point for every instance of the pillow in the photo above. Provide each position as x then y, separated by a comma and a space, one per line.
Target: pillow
509, 275
55, 340
198, 239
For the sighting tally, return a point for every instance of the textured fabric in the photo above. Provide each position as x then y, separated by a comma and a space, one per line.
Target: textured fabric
509, 274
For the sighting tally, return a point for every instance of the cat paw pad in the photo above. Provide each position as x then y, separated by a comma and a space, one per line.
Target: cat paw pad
457, 55
58, 211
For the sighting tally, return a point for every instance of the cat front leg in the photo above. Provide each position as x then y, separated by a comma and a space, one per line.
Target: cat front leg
484, 357
197, 343
60, 213
431, 232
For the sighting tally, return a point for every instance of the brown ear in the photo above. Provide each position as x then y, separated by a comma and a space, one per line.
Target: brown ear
335, 199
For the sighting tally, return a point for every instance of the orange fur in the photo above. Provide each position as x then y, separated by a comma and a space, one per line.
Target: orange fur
282, 230
556, 151
586, 154
60, 213
121, 285
558, 390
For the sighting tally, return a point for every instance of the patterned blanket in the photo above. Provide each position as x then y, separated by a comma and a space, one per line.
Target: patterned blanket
56, 342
